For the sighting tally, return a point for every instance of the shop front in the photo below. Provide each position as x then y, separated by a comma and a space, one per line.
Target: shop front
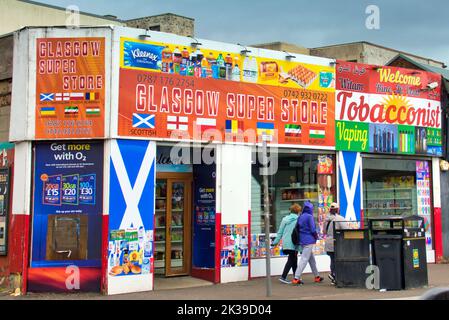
388, 131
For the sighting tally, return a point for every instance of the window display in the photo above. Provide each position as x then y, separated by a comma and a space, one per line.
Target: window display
300, 177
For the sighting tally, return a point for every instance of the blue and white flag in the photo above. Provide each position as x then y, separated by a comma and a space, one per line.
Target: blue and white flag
47, 97
144, 121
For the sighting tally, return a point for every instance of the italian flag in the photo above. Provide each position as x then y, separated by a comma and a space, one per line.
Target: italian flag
317, 133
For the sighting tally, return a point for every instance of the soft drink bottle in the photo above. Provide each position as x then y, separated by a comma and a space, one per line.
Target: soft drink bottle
177, 60
184, 62
221, 67
212, 69
167, 60
204, 67
228, 66
191, 64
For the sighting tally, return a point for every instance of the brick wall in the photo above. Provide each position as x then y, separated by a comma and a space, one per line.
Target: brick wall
170, 23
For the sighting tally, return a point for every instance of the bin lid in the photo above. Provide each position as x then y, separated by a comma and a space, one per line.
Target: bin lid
387, 236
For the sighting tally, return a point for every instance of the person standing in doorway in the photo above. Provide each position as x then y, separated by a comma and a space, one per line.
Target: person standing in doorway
307, 239
333, 218
288, 223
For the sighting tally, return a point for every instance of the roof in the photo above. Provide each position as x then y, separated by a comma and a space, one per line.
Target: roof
379, 46
444, 72
162, 14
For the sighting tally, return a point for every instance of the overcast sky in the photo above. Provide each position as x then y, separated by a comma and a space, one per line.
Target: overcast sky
415, 26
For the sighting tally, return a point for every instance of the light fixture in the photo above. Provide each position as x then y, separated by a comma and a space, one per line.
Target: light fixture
333, 63
143, 36
195, 43
289, 55
245, 51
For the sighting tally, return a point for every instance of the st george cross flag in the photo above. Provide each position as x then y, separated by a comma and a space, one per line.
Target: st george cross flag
177, 123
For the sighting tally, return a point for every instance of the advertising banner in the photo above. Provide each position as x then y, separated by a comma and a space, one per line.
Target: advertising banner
70, 88
423, 198
234, 245
171, 92
387, 110
68, 206
4, 208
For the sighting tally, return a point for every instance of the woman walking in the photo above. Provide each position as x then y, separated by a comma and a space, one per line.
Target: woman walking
288, 223
307, 239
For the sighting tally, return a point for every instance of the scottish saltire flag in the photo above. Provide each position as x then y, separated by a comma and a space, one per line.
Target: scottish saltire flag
144, 121
265, 128
47, 97
292, 130
233, 126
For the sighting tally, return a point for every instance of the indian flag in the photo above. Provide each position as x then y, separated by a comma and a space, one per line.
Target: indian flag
317, 133
93, 111
292, 130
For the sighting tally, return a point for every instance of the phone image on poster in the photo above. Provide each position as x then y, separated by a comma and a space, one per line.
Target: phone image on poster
87, 187
52, 186
70, 188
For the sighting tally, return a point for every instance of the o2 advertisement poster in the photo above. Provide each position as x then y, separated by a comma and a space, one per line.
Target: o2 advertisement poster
68, 182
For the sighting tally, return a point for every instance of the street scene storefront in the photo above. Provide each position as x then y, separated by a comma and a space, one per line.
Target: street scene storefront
142, 154
388, 129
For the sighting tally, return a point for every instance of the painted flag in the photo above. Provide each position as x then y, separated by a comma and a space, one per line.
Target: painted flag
71, 110
47, 97
233, 126
206, 123
94, 111
48, 111
62, 96
76, 96
91, 96
177, 123
292, 130
317, 133
144, 121
265, 128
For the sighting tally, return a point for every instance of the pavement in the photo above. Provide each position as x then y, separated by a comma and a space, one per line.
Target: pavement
255, 289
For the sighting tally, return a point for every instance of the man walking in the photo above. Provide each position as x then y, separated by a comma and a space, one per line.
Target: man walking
307, 239
333, 218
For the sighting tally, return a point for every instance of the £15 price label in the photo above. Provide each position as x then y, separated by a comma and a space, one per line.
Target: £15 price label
70, 189
52, 191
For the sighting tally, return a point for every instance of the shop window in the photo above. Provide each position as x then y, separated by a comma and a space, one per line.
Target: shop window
300, 177
398, 187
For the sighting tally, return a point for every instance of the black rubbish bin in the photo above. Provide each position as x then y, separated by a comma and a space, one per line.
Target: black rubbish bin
388, 258
352, 257
414, 253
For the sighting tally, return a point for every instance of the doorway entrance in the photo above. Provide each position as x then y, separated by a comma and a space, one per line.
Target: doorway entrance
172, 235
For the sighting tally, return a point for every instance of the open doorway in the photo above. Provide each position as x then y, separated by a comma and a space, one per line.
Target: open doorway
184, 223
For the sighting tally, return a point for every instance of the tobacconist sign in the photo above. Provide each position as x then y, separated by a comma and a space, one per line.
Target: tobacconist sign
387, 110
170, 91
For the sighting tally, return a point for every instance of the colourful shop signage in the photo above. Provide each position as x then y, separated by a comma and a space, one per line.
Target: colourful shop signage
387, 110
169, 91
70, 88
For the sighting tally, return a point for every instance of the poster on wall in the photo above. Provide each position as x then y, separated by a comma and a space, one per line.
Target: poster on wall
234, 245
258, 249
423, 198
131, 215
70, 88
67, 211
389, 110
171, 91
4, 209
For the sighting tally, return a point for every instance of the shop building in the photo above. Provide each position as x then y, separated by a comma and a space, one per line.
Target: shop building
139, 156
389, 142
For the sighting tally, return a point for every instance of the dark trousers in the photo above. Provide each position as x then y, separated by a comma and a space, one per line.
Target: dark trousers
292, 262
332, 256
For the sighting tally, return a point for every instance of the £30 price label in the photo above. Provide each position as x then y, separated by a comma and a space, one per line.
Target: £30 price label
87, 189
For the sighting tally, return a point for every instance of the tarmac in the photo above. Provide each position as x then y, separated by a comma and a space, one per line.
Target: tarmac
255, 289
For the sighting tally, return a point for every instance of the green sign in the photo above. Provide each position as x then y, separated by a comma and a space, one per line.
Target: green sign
434, 137
352, 136
406, 139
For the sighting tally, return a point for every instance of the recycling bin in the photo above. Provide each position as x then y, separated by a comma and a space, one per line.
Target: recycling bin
414, 253
352, 257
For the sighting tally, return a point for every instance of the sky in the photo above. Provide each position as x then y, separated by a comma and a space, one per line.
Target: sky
415, 26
